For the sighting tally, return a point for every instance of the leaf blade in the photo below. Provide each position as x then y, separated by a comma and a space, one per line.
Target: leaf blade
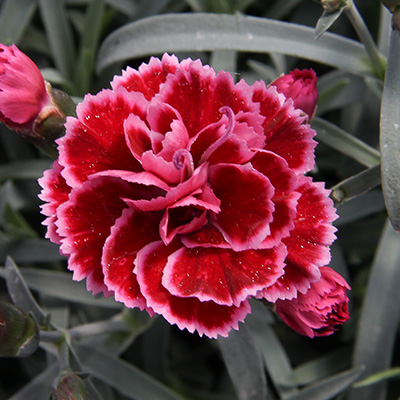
208, 32
390, 132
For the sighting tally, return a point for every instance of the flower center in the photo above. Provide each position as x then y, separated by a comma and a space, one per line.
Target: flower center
183, 161
231, 125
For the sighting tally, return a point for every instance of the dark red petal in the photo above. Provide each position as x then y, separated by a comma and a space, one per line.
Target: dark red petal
223, 276
285, 198
246, 206
84, 223
55, 192
198, 94
149, 77
207, 236
185, 216
131, 232
308, 243
96, 140
207, 318
286, 134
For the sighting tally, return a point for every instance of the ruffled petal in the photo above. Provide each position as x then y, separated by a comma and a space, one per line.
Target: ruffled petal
207, 318
186, 216
285, 198
225, 277
131, 232
84, 223
284, 129
189, 187
207, 236
148, 79
55, 192
246, 206
96, 140
198, 94
309, 241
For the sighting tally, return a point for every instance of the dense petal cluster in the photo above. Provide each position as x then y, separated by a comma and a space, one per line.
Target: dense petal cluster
317, 312
184, 194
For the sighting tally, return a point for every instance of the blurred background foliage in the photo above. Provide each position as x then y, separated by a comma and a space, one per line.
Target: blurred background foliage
123, 354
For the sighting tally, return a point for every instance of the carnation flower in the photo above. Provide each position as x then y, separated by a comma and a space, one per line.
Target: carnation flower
317, 312
184, 194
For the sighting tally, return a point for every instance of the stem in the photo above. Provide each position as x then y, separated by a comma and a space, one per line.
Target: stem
365, 36
51, 337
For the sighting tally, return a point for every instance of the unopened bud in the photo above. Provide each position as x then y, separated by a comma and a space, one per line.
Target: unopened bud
70, 387
335, 5
28, 104
19, 332
301, 87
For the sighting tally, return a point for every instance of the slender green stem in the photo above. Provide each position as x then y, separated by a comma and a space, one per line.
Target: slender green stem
363, 33
51, 336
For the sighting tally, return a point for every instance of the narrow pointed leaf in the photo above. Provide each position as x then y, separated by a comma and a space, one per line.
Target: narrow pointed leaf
390, 132
360, 207
244, 364
327, 388
61, 286
20, 293
321, 367
124, 377
208, 32
378, 321
342, 141
274, 355
357, 184
14, 18
59, 35
326, 21
379, 377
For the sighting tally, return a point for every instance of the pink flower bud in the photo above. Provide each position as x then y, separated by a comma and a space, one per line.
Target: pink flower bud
318, 311
28, 104
70, 387
23, 91
301, 87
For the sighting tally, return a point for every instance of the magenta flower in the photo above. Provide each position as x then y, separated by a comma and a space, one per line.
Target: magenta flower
301, 87
317, 312
182, 193
23, 93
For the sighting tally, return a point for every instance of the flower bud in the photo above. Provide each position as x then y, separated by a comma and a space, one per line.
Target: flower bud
301, 87
28, 104
317, 312
70, 387
19, 332
335, 5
